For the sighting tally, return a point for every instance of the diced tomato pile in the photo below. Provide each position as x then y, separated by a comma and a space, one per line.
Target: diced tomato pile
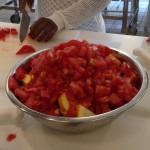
75, 73
4, 32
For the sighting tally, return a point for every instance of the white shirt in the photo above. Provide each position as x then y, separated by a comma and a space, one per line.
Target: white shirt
74, 14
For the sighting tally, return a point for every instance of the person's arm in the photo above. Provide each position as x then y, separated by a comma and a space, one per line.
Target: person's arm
78, 13
44, 28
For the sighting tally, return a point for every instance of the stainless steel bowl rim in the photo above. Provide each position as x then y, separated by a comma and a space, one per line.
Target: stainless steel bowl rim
79, 119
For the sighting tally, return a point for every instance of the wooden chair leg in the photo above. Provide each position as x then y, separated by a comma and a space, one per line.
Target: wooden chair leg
125, 17
147, 20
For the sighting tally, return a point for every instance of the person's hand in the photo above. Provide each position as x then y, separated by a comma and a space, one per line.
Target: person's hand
43, 29
22, 4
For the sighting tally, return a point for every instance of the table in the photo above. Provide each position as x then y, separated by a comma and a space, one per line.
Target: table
130, 131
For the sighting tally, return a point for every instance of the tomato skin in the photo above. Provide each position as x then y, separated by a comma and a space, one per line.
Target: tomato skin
25, 49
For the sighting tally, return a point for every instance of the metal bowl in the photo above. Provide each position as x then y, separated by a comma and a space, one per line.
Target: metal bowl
83, 124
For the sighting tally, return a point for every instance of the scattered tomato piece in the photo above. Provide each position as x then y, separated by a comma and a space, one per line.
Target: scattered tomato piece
25, 49
4, 32
148, 40
11, 137
29, 36
13, 31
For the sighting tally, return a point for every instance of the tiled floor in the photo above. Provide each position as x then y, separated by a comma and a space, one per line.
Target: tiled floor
112, 26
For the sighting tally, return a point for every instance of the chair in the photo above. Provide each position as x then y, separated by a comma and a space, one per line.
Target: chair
129, 23
15, 18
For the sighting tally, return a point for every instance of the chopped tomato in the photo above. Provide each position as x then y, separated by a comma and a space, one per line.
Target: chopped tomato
105, 107
89, 75
13, 31
115, 100
75, 43
6, 31
71, 51
104, 50
102, 91
20, 74
59, 47
82, 52
54, 110
100, 63
20, 93
12, 83
25, 49
2, 35
77, 90
11, 137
